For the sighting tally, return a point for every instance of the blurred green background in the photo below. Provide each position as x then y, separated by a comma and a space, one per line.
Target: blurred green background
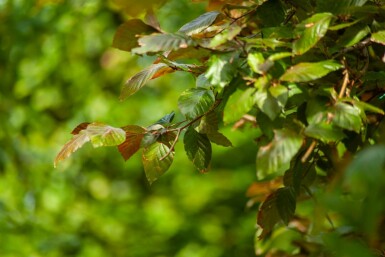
57, 69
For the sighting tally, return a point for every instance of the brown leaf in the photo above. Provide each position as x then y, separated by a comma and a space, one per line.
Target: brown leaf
80, 127
134, 136
74, 144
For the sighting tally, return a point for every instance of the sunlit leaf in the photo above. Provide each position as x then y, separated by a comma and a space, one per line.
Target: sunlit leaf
324, 131
195, 102
162, 43
103, 135
346, 116
307, 71
131, 145
378, 37
140, 79
198, 149
154, 165
74, 144
221, 70
353, 35
239, 103
255, 60
226, 35
310, 31
199, 24
267, 103
126, 36
276, 156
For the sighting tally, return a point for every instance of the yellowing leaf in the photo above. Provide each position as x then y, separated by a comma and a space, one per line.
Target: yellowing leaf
74, 144
104, 135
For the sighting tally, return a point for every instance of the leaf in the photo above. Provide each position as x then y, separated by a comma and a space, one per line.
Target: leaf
199, 24
338, 7
221, 70
126, 36
162, 43
219, 139
239, 103
378, 37
166, 120
278, 206
353, 35
154, 167
307, 71
198, 149
195, 102
267, 103
80, 127
310, 31
74, 144
324, 132
98, 133
209, 123
140, 79
346, 116
276, 156
255, 60
103, 135
226, 35
134, 136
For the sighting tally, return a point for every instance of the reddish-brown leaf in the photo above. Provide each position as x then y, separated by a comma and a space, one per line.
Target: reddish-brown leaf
80, 127
134, 136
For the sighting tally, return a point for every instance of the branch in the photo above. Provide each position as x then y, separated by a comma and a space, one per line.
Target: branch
359, 45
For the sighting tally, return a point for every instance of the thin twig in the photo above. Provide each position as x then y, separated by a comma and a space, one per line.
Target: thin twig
308, 151
344, 84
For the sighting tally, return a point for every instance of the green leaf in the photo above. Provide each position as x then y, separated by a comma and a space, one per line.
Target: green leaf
166, 120
198, 149
103, 135
353, 35
154, 165
307, 71
262, 43
227, 35
140, 79
324, 131
219, 139
378, 37
278, 206
267, 103
209, 123
195, 102
126, 36
221, 70
310, 31
202, 81
239, 103
74, 144
134, 136
276, 156
346, 116
363, 106
344, 25
338, 7
98, 133
162, 43
255, 60
149, 138
199, 24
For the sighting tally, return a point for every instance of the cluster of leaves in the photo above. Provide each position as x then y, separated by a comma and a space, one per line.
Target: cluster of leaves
308, 74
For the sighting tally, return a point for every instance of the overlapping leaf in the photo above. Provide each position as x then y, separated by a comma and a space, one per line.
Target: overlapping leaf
239, 103
346, 116
221, 70
126, 36
276, 156
195, 102
198, 149
134, 136
199, 24
378, 37
307, 71
162, 43
310, 31
155, 165
136, 82
98, 133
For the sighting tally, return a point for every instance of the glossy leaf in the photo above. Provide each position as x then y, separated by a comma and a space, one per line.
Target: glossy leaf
346, 116
134, 136
198, 149
126, 36
307, 71
136, 82
239, 103
221, 70
378, 37
255, 60
166, 120
154, 165
310, 31
276, 156
162, 43
199, 24
195, 102
267, 103
353, 35
103, 135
